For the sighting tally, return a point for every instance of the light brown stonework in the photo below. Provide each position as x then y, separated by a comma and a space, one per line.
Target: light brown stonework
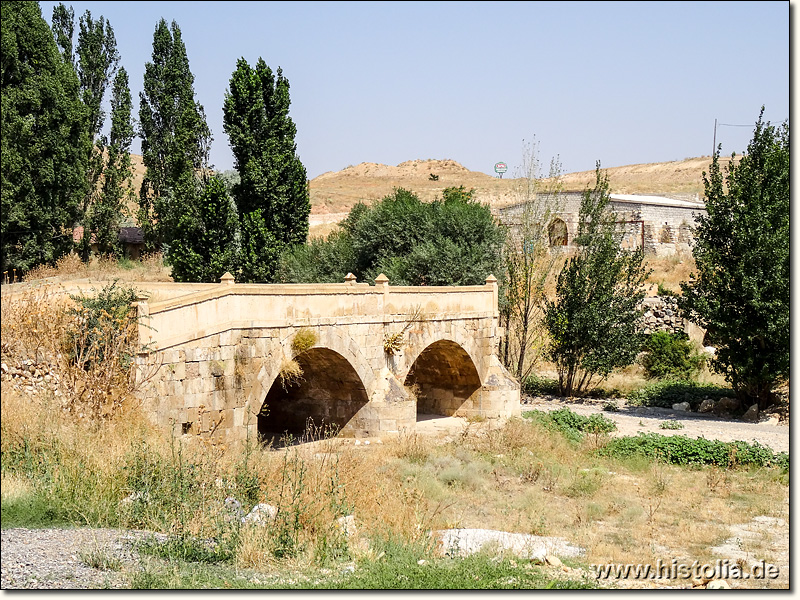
221, 349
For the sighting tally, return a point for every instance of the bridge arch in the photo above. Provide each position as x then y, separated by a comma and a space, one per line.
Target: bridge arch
443, 377
327, 391
334, 341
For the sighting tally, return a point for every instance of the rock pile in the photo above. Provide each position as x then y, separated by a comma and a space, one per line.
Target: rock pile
661, 314
30, 377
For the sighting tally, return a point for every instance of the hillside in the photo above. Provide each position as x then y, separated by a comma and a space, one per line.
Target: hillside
334, 193
337, 192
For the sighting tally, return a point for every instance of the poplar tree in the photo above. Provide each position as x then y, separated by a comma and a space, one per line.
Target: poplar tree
272, 194
44, 141
105, 215
63, 25
95, 60
593, 321
205, 243
175, 139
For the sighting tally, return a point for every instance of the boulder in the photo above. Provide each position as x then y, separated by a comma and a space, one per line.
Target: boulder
706, 406
682, 407
261, 514
751, 416
727, 405
718, 584
347, 526
553, 561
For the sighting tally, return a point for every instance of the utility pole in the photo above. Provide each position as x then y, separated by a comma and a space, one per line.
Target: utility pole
714, 149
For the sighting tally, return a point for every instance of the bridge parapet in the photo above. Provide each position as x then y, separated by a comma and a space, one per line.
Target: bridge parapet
245, 306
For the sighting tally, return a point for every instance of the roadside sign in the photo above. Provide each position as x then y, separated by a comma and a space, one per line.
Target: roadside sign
500, 168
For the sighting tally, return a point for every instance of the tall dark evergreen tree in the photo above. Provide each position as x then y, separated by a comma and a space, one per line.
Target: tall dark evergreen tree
106, 214
44, 141
272, 196
175, 139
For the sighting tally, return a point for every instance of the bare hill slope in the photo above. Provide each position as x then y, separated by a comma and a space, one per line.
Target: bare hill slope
337, 192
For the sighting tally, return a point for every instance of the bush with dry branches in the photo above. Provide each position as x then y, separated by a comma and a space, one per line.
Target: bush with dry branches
88, 341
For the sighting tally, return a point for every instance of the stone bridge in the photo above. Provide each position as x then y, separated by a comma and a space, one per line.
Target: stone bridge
219, 351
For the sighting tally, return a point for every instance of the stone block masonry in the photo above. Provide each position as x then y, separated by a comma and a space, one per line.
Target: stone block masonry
227, 351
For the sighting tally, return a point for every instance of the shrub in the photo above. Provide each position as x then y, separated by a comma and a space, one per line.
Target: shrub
664, 291
572, 425
671, 355
304, 339
533, 385
681, 450
671, 425
667, 392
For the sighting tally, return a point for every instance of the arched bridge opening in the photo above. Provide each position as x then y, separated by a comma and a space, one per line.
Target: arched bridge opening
443, 377
327, 392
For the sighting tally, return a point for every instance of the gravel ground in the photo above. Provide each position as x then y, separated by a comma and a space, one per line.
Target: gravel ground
57, 559
631, 420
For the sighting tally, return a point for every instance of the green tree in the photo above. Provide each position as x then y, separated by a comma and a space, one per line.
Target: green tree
44, 141
105, 215
740, 293
593, 320
175, 140
451, 241
97, 61
272, 181
63, 25
205, 245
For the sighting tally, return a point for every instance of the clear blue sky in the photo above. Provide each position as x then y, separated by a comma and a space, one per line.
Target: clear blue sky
386, 82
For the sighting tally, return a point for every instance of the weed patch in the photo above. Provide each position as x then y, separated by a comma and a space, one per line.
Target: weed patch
572, 425
681, 450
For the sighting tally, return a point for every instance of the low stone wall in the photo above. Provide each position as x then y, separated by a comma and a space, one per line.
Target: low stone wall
661, 314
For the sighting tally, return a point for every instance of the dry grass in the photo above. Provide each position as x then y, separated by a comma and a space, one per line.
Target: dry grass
669, 271
87, 352
103, 268
517, 477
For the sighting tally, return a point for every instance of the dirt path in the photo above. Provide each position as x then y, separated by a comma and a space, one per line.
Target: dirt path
632, 420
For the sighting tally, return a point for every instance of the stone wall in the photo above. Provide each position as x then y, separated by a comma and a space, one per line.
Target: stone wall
664, 225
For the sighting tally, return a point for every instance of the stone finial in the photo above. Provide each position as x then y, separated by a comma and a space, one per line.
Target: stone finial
350, 279
491, 279
142, 296
227, 279
381, 280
